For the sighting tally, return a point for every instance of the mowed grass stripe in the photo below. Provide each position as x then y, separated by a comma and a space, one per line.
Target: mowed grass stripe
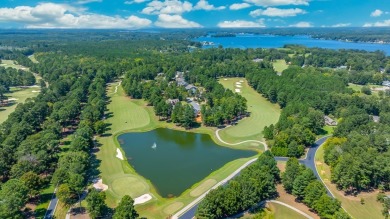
263, 113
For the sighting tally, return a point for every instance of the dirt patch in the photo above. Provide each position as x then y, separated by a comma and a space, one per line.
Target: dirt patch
281, 165
318, 163
290, 200
203, 187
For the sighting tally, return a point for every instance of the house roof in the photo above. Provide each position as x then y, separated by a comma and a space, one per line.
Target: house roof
190, 86
195, 105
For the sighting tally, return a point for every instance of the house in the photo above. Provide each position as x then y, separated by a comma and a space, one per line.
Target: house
257, 60
181, 82
342, 67
386, 83
172, 101
191, 88
376, 118
196, 107
329, 121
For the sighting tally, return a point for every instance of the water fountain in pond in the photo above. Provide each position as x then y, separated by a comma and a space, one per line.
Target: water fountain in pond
154, 146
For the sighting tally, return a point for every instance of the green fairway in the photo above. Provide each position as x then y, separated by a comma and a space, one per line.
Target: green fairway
262, 113
11, 64
280, 65
133, 115
21, 95
370, 209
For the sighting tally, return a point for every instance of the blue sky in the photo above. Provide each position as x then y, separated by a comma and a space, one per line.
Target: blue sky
137, 14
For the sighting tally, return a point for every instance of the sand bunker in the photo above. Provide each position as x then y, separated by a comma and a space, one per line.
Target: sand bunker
119, 154
238, 83
12, 99
241, 81
35, 91
142, 199
98, 184
238, 86
238, 90
225, 79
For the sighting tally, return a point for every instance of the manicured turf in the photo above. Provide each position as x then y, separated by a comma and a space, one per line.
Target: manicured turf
121, 177
262, 113
21, 95
281, 212
280, 65
371, 209
11, 64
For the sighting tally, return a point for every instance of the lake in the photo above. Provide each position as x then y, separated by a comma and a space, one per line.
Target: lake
244, 41
174, 160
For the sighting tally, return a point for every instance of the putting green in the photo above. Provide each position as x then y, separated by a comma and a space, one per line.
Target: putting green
129, 185
262, 113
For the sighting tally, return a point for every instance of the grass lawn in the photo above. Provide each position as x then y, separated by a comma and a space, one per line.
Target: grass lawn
280, 65
281, 212
263, 113
358, 88
21, 95
370, 209
44, 201
133, 115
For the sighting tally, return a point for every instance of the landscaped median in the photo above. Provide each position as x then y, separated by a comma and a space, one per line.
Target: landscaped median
127, 115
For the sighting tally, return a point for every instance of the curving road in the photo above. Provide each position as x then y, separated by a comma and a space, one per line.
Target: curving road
189, 211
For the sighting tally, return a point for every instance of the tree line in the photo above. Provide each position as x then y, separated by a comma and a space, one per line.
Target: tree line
300, 181
256, 183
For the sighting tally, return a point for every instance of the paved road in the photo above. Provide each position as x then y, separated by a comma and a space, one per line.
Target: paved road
52, 206
308, 161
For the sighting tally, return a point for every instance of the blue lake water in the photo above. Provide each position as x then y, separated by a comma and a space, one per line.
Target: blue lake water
244, 41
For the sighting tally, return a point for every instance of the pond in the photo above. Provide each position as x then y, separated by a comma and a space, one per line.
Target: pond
174, 160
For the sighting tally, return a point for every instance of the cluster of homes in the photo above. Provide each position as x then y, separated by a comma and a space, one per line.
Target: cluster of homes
331, 122
180, 81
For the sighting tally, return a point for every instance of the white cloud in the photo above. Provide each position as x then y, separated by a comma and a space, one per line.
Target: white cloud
376, 13
50, 15
302, 24
241, 24
174, 21
135, 2
277, 12
266, 3
385, 23
341, 25
239, 6
81, 2
167, 7
205, 5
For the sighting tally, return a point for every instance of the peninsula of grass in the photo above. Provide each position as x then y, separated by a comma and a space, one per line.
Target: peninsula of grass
128, 115
262, 113
21, 95
352, 204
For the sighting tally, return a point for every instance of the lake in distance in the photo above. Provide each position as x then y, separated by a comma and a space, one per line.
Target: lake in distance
244, 41
178, 160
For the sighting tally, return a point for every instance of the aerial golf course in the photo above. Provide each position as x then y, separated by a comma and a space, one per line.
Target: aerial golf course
126, 115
